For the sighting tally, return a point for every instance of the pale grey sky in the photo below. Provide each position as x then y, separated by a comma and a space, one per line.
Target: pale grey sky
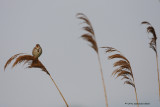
71, 62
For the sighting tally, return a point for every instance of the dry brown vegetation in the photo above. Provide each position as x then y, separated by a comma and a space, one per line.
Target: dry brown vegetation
32, 63
123, 69
153, 45
90, 37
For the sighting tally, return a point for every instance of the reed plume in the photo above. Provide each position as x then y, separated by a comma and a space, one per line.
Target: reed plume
123, 69
33, 62
90, 37
153, 45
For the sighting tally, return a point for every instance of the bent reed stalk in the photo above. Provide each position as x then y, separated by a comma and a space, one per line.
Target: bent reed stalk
90, 37
59, 90
32, 63
153, 45
124, 68
104, 87
158, 73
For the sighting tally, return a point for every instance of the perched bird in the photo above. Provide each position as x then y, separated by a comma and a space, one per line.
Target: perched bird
37, 51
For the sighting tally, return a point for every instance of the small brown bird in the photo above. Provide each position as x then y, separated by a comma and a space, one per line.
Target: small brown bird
37, 51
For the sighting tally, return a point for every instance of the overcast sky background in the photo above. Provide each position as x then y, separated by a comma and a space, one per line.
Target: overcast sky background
69, 59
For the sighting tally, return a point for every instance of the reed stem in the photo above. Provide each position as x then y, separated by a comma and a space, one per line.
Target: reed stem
104, 87
136, 97
58, 90
135, 90
158, 74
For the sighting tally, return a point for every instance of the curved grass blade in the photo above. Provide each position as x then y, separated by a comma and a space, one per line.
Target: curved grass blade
35, 63
124, 69
90, 37
153, 45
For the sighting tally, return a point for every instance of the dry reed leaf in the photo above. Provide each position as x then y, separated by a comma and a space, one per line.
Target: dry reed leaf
84, 18
118, 56
153, 45
10, 60
150, 29
90, 40
145, 22
110, 49
126, 77
38, 64
121, 63
32, 62
90, 36
124, 68
130, 83
23, 58
89, 29
117, 70
123, 72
